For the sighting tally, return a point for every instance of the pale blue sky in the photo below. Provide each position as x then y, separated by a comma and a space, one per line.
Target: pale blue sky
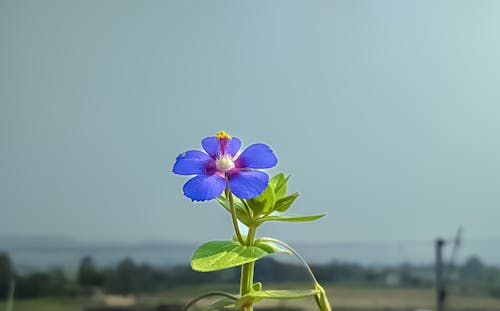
385, 113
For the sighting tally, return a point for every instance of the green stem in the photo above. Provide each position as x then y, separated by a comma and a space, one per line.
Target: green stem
233, 213
247, 271
235, 220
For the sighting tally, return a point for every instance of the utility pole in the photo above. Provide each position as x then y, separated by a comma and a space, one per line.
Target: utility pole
10, 297
440, 286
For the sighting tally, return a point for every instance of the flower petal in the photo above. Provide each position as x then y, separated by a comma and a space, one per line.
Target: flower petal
257, 156
233, 146
191, 162
212, 146
247, 184
203, 187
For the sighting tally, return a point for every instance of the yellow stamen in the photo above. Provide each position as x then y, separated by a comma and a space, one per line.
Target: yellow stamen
222, 135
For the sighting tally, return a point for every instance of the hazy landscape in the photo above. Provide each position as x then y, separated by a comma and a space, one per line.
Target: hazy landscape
30, 253
52, 274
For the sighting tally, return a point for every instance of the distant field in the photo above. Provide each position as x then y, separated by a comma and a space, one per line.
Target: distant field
46, 304
404, 299
342, 298
346, 298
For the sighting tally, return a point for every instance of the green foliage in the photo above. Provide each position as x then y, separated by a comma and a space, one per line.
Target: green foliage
147, 279
280, 185
283, 294
239, 207
289, 218
218, 255
270, 247
37, 284
129, 277
45, 283
285, 202
255, 296
264, 203
268, 206
88, 275
123, 281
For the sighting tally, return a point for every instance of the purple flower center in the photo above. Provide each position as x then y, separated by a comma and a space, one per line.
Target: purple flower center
223, 161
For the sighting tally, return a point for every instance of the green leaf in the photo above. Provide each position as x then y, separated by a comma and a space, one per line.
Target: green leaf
270, 247
225, 202
289, 218
242, 216
284, 203
264, 203
239, 207
218, 255
280, 294
256, 296
279, 183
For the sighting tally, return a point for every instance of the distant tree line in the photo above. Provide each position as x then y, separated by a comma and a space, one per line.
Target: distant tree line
129, 277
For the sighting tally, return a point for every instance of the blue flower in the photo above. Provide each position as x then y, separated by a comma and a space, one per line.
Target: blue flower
221, 164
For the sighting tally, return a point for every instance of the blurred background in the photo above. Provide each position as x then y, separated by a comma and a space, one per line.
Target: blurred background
386, 114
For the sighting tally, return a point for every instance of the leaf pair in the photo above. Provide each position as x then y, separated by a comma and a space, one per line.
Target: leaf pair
255, 296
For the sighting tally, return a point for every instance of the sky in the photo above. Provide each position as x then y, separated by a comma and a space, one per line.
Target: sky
386, 114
